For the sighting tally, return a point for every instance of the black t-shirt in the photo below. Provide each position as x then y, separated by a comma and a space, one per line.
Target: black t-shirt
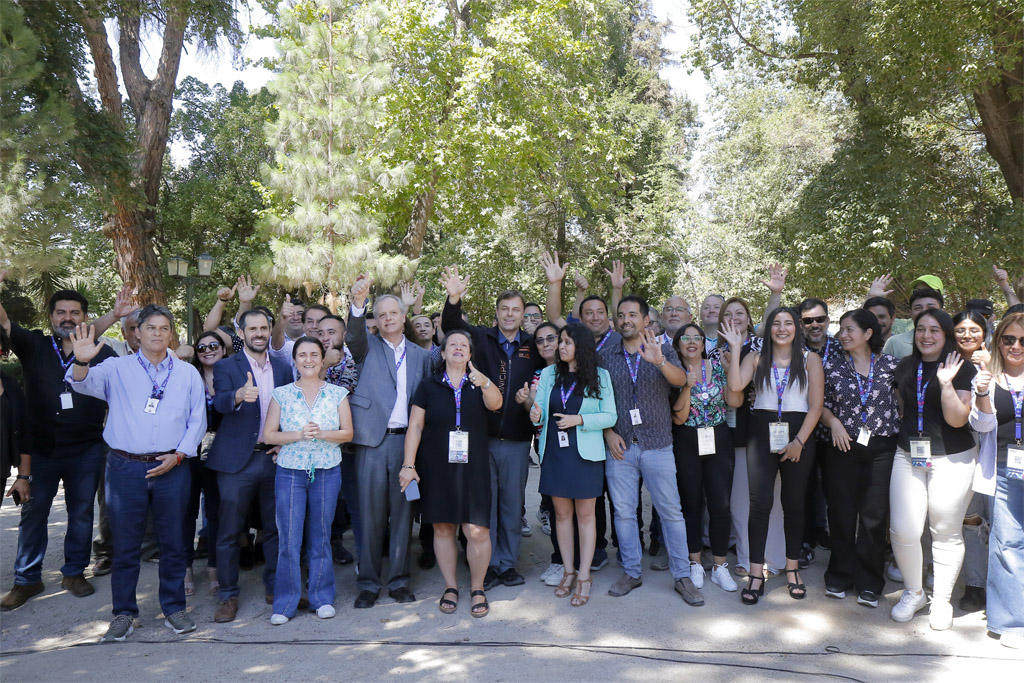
945, 439
1006, 432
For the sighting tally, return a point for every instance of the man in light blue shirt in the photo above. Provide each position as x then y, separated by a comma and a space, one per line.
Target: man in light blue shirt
156, 419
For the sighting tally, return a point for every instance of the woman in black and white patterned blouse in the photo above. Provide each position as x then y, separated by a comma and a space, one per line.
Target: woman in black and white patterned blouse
862, 413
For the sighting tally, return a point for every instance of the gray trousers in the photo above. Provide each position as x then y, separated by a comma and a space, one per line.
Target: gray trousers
510, 466
976, 542
381, 500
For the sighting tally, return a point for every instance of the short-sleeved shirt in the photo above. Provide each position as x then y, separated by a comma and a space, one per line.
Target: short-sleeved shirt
842, 395
944, 439
652, 396
827, 352
295, 413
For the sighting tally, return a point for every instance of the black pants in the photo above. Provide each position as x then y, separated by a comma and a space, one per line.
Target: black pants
705, 479
817, 494
204, 482
857, 483
762, 467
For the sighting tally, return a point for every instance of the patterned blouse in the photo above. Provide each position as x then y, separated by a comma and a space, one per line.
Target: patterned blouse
707, 401
842, 395
295, 412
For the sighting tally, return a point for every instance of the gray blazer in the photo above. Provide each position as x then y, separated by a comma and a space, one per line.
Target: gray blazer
375, 394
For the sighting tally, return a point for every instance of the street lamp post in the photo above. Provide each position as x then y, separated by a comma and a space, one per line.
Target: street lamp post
177, 268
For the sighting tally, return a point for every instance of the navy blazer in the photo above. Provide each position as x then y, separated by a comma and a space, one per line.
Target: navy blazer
239, 429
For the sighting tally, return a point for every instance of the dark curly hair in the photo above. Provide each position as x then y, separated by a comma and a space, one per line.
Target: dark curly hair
587, 381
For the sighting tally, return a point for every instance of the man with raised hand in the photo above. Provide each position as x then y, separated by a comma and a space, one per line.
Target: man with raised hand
509, 354
390, 370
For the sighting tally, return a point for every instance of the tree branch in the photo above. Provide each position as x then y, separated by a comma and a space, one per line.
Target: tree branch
772, 55
103, 61
129, 42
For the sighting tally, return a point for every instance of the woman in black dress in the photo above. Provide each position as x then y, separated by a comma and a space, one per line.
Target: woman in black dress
447, 442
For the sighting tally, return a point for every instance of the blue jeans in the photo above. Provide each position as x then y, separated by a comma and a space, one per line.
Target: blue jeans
79, 468
658, 468
310, 505
129, 497
1005, 588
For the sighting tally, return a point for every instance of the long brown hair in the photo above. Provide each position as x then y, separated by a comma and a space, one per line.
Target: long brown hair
996, 365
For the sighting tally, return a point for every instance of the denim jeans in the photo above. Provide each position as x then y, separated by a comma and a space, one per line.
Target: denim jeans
1005, 594
658, 468
79, 468
129, 497
304, 505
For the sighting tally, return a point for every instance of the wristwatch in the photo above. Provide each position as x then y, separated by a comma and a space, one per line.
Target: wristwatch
25, 477
663, 361
84, 365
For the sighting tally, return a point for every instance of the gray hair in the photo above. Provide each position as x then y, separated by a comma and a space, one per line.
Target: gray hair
389, 297
133, 316
150, 310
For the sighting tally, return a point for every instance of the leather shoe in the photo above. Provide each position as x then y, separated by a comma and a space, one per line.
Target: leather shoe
365, 600
227, 610
19, 595
340, 554
402, 594
102, 566
491, 579
510, 577
77, 585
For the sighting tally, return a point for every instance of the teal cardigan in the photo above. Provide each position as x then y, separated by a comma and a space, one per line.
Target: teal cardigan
598, 415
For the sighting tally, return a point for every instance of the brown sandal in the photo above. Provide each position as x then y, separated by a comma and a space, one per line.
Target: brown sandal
578, 599
565, 589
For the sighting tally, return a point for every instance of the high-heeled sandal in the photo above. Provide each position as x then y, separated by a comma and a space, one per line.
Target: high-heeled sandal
794, 587
449, 606
749, 595
578, 598
565, 589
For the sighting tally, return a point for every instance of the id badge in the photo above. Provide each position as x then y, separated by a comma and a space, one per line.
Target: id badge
864, 436
563, 439
151, 405
66, 402
634, 417
921, 452
705, 441
730, 417
778, 436
458, 447
1015, 462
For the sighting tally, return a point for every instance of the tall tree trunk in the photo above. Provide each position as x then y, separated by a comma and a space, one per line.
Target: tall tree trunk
1002, 122
422, 210
131, 232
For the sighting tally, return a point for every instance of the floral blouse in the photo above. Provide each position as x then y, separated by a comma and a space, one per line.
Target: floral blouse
295, 412
707, 401
842, 395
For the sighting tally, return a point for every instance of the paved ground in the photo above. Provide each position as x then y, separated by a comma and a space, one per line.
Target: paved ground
529, 635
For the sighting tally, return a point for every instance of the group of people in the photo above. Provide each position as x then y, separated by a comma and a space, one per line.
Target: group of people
752, 435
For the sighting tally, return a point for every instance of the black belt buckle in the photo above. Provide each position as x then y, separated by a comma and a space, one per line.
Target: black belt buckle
396, 430
634, 441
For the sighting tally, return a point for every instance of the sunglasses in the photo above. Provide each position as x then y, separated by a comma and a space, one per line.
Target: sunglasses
550, 339
686, 339
819, 319
1008, 341
212, 346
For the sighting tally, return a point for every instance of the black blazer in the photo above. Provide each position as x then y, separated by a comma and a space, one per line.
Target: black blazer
20, 434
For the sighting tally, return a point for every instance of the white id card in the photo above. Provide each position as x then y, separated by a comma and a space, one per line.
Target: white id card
705, 441
921, 452
778, 436
563, 439
458, 447
66, 402
1015, 462
151, 405
864, 436
730, 417
634, 417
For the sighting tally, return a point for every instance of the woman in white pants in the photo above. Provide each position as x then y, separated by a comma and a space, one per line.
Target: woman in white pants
934, 466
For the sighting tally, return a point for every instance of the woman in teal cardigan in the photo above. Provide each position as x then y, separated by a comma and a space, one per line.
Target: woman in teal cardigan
573, 406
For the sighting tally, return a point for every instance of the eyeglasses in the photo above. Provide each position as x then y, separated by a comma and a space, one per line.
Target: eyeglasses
550, 339
532, 315
212, 346
819, 319
675, 309
1008, 341
963, 331
686, 339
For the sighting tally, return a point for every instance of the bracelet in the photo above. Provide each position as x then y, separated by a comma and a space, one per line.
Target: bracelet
488, 383
978, 395
80, 363
408, 467
797, 439
663, 361
179, 460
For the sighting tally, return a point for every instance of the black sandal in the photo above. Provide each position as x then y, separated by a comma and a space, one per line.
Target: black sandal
794, 587
476, 610
449, 606
749, 595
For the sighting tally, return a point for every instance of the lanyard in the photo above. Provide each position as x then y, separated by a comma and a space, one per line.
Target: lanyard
458, 398
825, 352
401, 360
1018, 403
920, 398
864, 395
158, 391
704, 395
311, 470
780, 388
633, 370
566, 394
600, 344
60, 357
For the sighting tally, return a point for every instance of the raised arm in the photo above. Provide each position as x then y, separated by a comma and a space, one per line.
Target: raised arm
582, 287
775, 283
879, 286
619, 279
456, 286
216, 314
555, 273
738, 373
247, 292
123, 305
412, 297
956, 405
277, 334
1003, 280
355, 330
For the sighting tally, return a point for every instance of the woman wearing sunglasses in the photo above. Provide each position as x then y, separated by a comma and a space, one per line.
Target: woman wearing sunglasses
996, 414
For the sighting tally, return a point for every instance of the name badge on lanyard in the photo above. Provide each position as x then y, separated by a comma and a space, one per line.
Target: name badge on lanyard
865, 395
458, 447
921, 447
1015, 454
563, 439
634, 414
66, 403
864, 436
705, 441
778, 436
152, 403
634, 417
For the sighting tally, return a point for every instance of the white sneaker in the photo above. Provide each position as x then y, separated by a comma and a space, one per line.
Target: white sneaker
720, 575
893, 573
525, 529
552, 576
278, 619
940, 617
325, 611
697, 574
909, 604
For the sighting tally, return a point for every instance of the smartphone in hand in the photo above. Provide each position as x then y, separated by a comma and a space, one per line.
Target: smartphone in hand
16, 496
412, 491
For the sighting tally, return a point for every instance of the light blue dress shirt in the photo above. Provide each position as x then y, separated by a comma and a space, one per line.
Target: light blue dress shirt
124, 383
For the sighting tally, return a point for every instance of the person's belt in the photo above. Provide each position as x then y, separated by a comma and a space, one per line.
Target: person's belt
262, 447
395, 430
634, 440
140, 457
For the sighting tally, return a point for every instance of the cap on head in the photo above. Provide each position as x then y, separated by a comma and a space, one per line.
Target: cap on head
928, 281
983, 306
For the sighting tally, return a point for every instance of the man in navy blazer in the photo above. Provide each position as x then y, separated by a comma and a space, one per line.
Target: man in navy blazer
243, 387
390, 369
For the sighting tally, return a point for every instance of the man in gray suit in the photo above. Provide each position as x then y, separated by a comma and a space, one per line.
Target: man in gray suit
390, 369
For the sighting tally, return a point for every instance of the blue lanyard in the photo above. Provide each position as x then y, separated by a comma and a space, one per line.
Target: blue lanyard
60, 357
864, 395
600, 344
302, 397
398, 365
566, 394
920, 398
158, 391
458, 398
828, 347
704, 395
1018, 404
633, 370
780, 388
